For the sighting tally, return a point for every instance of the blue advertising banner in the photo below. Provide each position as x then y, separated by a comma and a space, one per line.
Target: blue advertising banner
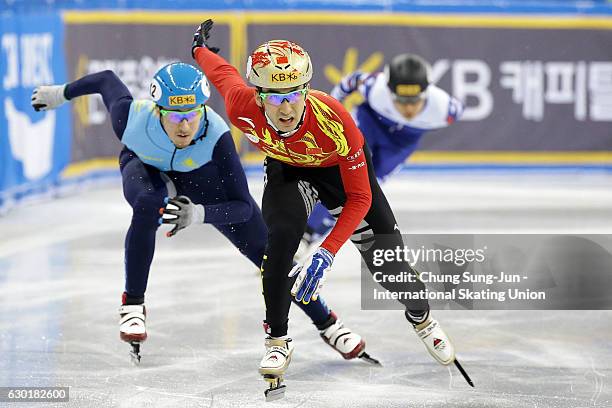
34, 146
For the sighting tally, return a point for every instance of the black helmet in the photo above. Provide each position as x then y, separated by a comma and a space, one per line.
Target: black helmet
407, 77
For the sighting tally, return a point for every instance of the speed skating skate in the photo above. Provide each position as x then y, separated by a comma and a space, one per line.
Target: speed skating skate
132, 328
349, 344
437, 343
273, 366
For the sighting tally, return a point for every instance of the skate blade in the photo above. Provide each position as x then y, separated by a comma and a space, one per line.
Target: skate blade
370, 360
135, 353
134, 358
273, 394
277, 388
464, 373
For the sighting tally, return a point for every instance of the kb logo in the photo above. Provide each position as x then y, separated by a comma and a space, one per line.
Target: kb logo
178, 100
280, 77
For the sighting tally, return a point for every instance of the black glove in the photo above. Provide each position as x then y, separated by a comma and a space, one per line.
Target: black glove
201, 36
186, 214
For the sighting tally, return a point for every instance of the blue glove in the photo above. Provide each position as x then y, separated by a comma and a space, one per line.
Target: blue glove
346, 86
310, 279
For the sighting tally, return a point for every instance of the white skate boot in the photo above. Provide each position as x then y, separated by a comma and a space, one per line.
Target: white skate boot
274, 364
343, 340
132, 328
436, 341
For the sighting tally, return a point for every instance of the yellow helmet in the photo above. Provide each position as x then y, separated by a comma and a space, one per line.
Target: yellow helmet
279, 64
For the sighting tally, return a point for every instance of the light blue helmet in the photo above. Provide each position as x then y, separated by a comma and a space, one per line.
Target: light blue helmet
178, 85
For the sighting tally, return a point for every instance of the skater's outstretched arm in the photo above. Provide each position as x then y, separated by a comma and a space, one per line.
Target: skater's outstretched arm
354, 174
347, 85
221, 74
117, 98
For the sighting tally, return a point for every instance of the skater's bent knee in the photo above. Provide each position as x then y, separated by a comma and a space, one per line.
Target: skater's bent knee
145, 208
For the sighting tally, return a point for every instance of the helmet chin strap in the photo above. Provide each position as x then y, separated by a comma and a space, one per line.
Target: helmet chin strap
290, 132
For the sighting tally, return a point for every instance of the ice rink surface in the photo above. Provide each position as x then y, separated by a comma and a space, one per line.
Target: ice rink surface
61, 277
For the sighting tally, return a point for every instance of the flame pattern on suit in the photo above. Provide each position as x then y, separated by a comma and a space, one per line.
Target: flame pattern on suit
327, 121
